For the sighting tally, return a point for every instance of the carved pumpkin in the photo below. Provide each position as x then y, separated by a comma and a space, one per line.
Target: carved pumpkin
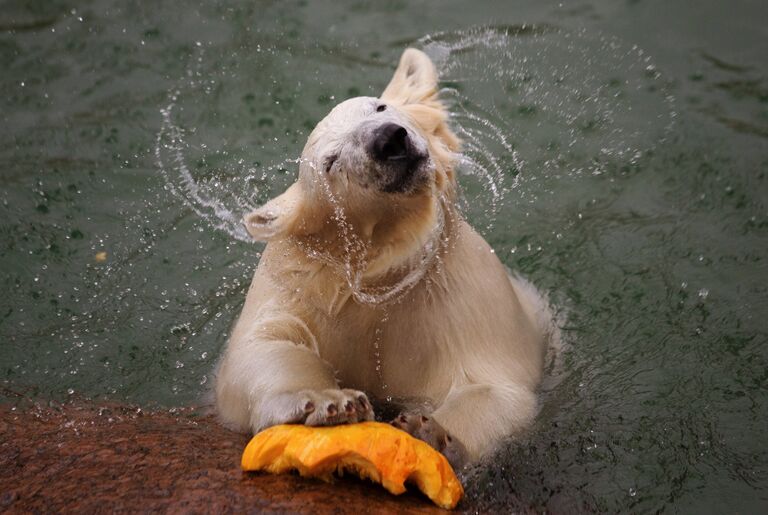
371, 450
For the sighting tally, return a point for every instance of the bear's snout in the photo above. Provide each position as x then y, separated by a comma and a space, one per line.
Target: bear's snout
393, 147
390, 143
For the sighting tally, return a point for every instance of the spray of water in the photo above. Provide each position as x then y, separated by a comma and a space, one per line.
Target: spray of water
538, 103
530, 103
170, 142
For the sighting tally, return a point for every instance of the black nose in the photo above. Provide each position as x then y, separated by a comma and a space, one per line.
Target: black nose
390, 143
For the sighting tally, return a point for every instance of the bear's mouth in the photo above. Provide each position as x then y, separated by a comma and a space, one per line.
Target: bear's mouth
403, 174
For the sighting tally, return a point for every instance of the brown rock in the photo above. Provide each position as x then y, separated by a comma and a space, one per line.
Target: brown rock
86, 458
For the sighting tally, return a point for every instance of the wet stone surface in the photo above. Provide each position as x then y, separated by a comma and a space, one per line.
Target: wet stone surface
88, 458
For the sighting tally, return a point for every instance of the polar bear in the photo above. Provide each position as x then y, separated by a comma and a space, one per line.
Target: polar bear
372, 286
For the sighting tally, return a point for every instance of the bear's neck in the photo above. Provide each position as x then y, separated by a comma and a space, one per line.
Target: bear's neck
371, 267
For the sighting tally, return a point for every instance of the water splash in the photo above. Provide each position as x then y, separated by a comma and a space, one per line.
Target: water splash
531, 104
534, 103
169, 157
220, 195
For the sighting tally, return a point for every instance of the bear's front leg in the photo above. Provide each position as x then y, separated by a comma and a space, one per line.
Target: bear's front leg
314, 408
472, 420
426, 428
263, 382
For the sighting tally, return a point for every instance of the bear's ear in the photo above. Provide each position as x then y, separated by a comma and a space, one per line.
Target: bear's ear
414, 81
276, 218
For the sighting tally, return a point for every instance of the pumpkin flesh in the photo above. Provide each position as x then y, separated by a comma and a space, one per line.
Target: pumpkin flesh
371, 450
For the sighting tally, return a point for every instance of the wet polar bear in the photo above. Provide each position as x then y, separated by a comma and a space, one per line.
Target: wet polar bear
371, 284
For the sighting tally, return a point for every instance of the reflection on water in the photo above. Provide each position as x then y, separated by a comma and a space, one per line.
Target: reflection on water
613, 154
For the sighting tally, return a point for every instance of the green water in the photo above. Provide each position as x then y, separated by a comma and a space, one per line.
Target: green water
617, 155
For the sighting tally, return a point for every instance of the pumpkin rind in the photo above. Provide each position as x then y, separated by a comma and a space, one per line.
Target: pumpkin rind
371, 450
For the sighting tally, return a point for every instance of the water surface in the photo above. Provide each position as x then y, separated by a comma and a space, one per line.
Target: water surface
616, 154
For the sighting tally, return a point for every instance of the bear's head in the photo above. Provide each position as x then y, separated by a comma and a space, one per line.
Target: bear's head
382, 167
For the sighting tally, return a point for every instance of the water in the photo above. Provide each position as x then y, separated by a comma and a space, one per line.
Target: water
616, 155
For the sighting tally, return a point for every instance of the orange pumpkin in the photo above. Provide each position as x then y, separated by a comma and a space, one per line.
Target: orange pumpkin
372, 450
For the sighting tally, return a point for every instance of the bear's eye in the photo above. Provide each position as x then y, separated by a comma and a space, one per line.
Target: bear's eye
330, 161
381, 108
